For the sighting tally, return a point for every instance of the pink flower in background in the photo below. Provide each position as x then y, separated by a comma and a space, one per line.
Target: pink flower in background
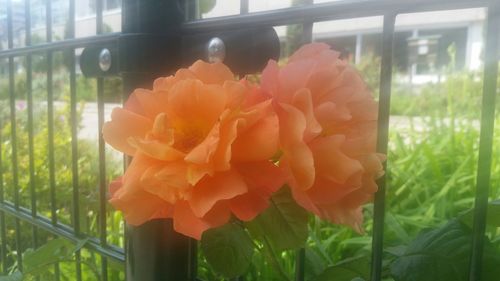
328, 122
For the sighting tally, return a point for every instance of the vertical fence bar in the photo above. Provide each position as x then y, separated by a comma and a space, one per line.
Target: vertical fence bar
74, 139
3, 237
3, 234
102, 176
191, 9
485, 140
382, 144
193, 13
243, 7
29, 94
193, 260
102, 153
50, 121
50, 116
300, 261
13, 132
307, 27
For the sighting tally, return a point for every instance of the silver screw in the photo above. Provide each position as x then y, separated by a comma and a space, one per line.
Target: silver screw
216, 50
105, 59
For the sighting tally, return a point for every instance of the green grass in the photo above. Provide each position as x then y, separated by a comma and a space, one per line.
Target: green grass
431, 176
432, 165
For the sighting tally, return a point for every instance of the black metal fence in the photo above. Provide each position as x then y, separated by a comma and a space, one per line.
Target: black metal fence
160, 21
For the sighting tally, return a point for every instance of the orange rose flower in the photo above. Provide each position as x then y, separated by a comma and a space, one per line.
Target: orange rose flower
201, 144
327, 120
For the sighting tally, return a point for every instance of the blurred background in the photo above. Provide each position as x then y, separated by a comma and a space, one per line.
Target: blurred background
435, 109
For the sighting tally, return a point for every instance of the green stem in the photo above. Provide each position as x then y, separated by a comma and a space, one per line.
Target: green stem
272, 259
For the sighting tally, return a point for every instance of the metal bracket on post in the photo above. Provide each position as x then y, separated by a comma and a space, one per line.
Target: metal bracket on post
100, 60
244, 51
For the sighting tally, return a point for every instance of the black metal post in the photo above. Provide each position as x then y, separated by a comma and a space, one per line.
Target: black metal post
149, 48
156, 252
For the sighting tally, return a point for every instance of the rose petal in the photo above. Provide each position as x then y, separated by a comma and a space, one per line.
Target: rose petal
330, 116
327, 191
156, 149
292, 77
194, 107
309, 51
236, 93
187, 223
296, 154
259, 142
123, 125
302, 100
222, 156
164, 84
269, 78
167, 182
210, 190
262, 177
247, 206
115, 185
331, 162
141, 207
303, 199
352, 217
211, 73
137, 205
146, 103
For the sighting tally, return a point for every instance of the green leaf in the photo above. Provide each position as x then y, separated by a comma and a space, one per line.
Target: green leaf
315, 264
228, 249
347, 270
283, 224
396, 250
16, 276
443, 254
493, 218
394, 225
36, 261
80, 244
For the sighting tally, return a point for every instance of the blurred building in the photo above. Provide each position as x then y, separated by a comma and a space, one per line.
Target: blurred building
425, 43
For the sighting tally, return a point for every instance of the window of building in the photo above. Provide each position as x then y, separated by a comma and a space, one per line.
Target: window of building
448, 37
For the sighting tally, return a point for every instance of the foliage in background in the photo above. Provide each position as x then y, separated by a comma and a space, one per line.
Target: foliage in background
431, 178
88, 181
432, 165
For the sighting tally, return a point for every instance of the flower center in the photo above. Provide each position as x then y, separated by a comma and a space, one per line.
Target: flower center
187, 137
182, 135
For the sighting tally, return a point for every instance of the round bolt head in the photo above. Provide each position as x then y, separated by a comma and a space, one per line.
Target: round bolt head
216, 50
105, 59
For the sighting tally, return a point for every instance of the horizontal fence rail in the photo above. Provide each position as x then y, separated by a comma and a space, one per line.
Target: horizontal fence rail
62, 230
60, 45
305, 15
328, 11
